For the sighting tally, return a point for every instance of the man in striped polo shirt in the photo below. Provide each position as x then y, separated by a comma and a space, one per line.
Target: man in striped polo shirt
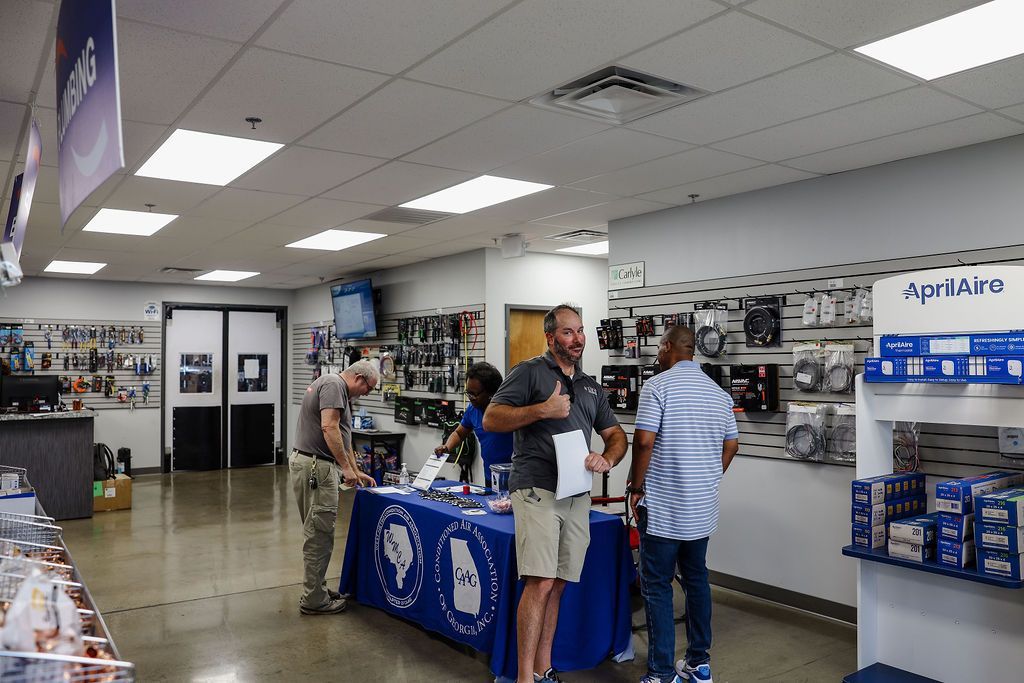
685, 439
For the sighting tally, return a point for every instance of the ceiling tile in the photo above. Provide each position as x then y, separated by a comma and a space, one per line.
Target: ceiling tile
139, 138
598, 216
200, 231
811, 88
398, 182
1016, 112
538, 45
396, 261
966, 131
546, 203
346, 257
400, 117
459, 227
993, 86
162, 71
322, 213
305, 171
364, 225
724, 52
95, 255
168, 196
275, 234
688, 166
885, 115
44, 225
12, 116
217, 19
247, 206
382, 35
324, 89
504, 138
24, 25
394, 244
47, 95
158, 248
602, 152
731, 183
845, 24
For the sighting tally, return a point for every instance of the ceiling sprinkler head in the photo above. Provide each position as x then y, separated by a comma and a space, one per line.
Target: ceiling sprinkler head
253, 120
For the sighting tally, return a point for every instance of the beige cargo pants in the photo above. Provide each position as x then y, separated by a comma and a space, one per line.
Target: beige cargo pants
318, 510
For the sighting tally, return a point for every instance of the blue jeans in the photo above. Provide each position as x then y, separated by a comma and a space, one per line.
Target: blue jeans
658, 559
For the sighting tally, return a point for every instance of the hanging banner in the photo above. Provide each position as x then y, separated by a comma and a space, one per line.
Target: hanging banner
21, 200
89, 144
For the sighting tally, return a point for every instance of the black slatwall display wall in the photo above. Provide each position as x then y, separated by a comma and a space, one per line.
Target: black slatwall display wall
34, 332
945, 450
387, 328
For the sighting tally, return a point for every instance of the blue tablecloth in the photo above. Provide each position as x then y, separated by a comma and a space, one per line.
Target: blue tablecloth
455, 574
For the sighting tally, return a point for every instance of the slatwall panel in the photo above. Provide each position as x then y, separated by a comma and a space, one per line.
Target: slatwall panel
387, 328
945, 450
125, 377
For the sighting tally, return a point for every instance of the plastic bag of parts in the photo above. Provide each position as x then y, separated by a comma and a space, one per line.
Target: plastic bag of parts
805, 431
842, 438
1011, 446
838, 375
865, 305
42, 618
807, 366
906, 451
710, 321
810, 316
827, 310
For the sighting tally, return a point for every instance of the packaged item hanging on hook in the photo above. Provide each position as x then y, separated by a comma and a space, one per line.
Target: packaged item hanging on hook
810, 316
709, 321
839, 362
807, 366
805, 431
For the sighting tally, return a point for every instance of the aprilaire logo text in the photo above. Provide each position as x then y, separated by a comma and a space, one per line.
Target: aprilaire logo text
953, 287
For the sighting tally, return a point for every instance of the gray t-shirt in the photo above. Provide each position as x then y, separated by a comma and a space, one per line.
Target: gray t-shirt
532, 381
328, 391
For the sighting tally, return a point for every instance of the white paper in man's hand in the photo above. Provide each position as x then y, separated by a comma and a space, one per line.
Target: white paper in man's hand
571, 451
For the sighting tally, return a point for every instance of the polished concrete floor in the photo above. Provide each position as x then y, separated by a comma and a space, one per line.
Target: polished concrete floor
199, 582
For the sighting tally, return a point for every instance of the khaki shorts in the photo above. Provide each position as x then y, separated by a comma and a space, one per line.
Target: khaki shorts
552, 536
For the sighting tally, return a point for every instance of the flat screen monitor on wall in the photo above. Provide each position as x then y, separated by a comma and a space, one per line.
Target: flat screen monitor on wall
354, 315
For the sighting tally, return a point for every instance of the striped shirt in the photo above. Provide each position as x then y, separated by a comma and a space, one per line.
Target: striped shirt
691, 417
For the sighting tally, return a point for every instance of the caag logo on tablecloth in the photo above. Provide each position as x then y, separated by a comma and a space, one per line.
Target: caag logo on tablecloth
466, 578
399, 556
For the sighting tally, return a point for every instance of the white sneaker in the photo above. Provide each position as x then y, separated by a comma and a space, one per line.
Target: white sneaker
698, 674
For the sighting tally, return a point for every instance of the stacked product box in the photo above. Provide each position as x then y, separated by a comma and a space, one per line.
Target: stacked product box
955, 502
999, 533
878, 501
914, 538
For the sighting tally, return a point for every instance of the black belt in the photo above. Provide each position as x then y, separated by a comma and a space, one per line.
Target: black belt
316, 455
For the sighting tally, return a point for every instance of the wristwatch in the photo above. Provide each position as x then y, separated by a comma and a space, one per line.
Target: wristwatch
633, 489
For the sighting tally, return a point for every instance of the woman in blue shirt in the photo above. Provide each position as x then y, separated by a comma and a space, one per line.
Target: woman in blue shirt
482, 380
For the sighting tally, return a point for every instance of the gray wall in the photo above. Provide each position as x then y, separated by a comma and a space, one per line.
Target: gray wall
783, 524
72, 299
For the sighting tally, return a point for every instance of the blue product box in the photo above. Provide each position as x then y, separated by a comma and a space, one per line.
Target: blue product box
1009, 539
875, 490
989, 344
916, 552
1005, 369
1002, 507
869, 536
946, 370
957, 495
915, 529
955, 554
951, 367
957, 528
883, 513
998, 563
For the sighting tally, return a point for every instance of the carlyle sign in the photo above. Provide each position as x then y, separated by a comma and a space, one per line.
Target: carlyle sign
626, 275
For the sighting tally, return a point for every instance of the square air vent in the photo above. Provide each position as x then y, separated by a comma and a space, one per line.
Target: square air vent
618, 95
578, 236
397, 214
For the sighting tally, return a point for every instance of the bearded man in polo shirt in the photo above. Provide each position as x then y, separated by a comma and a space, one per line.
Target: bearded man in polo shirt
684, 441
543, 396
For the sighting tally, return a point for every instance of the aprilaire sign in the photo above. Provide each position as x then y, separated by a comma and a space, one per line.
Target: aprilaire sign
965, 299
626, 275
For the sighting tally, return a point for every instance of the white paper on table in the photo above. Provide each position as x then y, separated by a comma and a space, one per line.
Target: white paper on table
571, 451
387, 489
429, 472
251, 368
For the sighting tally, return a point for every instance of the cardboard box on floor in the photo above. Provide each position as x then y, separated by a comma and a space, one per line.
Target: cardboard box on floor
112, 494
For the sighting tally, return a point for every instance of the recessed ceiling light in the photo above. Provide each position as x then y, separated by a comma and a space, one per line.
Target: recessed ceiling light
195, 157
594, 249
980, 35
121, 222
77, 267
475, 194
226, 275
336, 240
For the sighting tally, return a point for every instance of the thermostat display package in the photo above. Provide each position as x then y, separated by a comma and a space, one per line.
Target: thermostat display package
955, 554
885, 487
1002, 507
866, 536
1009, 539
915, 530
956, 527
998, 563
915, 552
958, 495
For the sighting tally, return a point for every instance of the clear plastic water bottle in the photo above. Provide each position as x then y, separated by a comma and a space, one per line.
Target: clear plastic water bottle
403, 476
